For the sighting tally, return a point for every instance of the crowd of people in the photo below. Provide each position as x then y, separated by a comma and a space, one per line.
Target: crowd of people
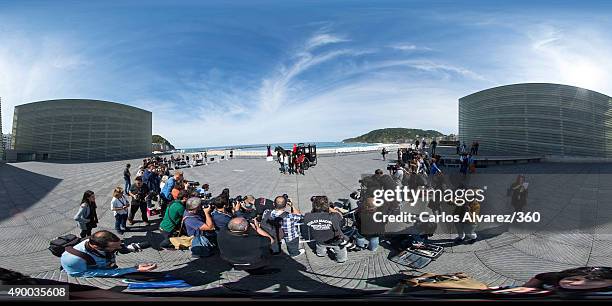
291, 161
248, 232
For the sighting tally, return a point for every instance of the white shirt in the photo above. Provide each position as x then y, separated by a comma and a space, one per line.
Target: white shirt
119, 203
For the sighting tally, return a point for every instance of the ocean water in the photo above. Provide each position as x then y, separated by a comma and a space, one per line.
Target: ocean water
286, 146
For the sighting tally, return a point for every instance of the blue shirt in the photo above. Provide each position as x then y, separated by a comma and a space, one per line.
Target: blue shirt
77, 267
434, 169
168, 188
192, 223
220, 219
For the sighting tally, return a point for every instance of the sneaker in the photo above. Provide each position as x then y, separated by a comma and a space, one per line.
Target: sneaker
302, 251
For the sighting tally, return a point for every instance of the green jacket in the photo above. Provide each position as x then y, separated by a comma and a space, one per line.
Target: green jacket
173, 216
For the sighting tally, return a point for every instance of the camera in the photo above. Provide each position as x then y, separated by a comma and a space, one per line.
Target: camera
392, 167
193, 184
237, 199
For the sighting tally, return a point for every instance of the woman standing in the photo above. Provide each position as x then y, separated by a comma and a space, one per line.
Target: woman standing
119, 206
519, 193
87, 217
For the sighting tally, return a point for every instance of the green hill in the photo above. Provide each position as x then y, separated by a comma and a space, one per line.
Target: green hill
162, 140
394, 135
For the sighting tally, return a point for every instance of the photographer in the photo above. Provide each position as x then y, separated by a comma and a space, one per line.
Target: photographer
246, 247
198, 223
95, 257
325, 225
166, 193
203, 192
139, 194
172, 219
369, 231
246, 208
466, 231
220, 215
283, 225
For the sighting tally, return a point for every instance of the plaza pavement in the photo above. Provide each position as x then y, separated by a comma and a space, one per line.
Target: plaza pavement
38, 201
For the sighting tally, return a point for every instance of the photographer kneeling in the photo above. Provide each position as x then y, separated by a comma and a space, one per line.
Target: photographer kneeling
246, 247
172, 219
325, 225
369, 231
95, 257
198, 223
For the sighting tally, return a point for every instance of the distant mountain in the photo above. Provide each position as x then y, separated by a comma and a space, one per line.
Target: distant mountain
394, 135
161, 140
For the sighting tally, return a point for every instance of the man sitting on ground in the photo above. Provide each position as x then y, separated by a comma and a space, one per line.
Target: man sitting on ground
246, 248
172, 218
95, 257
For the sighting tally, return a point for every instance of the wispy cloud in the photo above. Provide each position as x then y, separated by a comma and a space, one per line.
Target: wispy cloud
409, 47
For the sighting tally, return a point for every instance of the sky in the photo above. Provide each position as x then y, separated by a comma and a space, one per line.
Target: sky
219, 73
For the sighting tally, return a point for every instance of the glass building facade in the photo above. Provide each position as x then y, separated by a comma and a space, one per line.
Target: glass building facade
75, 129
538, 119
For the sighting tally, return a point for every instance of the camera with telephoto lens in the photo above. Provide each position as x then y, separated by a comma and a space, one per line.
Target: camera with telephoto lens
193, 184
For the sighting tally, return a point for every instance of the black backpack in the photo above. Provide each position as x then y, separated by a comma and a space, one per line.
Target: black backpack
274, 226
59, 245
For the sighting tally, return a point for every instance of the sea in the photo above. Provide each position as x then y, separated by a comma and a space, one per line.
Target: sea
287, 146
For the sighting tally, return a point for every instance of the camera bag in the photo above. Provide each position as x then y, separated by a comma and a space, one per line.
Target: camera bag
59, 245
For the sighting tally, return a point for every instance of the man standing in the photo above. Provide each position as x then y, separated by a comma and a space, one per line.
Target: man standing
384, 153
434, 144
277, 220
139, 194
127, 179
166, 193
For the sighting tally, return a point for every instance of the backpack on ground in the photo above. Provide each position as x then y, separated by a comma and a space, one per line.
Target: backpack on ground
448, 282
59, 245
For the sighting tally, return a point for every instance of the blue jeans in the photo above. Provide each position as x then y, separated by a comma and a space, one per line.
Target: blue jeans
128, 185
372, 242
120, 222
293, 246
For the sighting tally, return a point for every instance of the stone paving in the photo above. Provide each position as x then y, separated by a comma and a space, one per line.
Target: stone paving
38, 201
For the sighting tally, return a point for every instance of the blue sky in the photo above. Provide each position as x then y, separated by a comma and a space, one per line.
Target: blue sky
240, 72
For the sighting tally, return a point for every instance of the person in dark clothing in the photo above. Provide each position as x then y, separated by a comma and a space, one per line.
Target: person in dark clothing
246, 246
369, 231
139, 193
578, 279
519, 193
325, 225
127, 178
87, 217
434, 145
